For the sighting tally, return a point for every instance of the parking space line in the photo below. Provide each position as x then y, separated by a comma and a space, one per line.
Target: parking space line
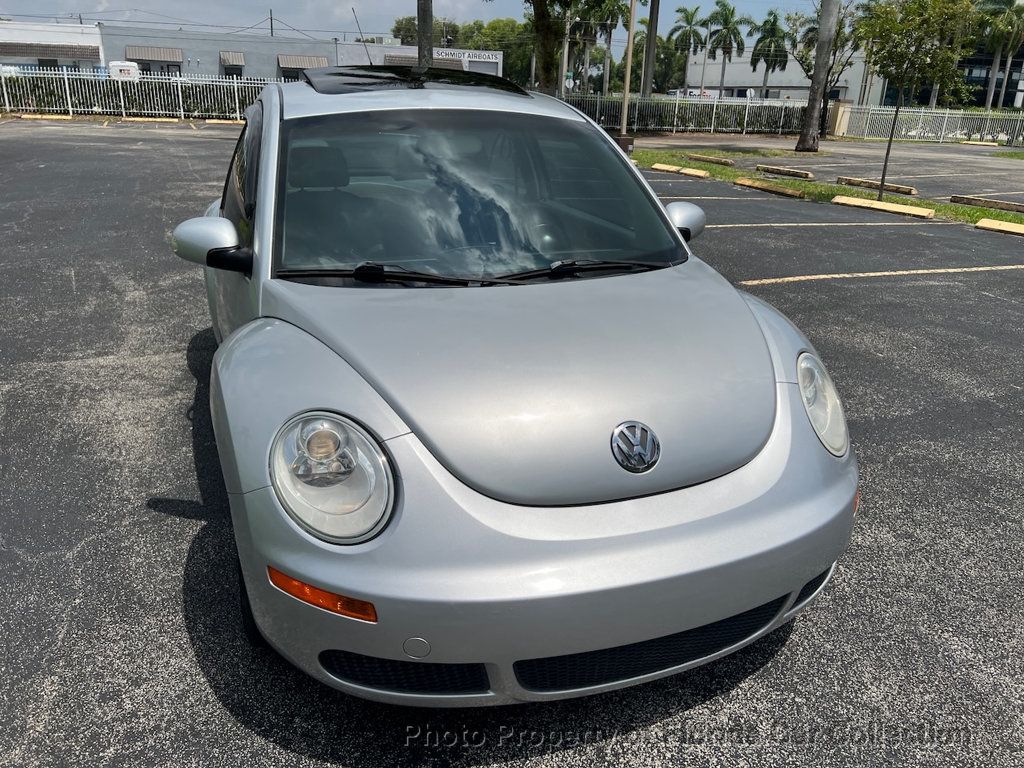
888, 273
748, 198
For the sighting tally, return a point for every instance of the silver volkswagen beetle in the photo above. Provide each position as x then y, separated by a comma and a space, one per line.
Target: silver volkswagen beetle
490, 431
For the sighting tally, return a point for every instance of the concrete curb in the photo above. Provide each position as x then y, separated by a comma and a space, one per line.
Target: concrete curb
1006, 227
779, 170
695, 172
712, 159
981, 143
32, 116
852, 181
875, 205
984, 202
767, 186
218, 121
150, 120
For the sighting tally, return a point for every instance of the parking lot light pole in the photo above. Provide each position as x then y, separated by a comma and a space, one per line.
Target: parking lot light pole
425, 33
629, 67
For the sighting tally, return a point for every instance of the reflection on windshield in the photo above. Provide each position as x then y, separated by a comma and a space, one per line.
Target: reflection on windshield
469, 193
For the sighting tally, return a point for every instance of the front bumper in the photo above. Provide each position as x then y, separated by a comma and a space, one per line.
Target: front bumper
496, 590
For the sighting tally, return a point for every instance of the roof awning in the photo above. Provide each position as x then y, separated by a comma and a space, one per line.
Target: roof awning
50, 51
151, 53
232, 58
287, 61
412, 61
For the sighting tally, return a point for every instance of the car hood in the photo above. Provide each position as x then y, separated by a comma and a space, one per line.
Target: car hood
517, 389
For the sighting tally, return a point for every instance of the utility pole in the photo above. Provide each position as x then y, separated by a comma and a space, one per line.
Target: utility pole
425, 33
828, 17
650, 51
271, 22
629, 67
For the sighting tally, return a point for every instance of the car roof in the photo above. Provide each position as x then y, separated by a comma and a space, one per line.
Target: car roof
336, 90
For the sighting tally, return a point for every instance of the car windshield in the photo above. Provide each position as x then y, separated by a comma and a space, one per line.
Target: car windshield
469, 193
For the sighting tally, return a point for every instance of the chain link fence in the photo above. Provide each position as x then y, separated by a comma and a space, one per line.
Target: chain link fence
693, 114
939, 125
63, 91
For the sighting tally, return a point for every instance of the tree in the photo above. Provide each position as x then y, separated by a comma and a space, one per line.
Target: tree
828, 17
610, 13
802, 34
727, 36
998, 16
770, 47
1014, 40
513, 39
686, 36
404, 29
911, 44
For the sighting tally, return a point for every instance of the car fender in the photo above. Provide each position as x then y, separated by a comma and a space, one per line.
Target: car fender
785, 341
265, 373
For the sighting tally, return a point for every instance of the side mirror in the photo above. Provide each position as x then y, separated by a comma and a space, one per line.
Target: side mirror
687, 218
212, 242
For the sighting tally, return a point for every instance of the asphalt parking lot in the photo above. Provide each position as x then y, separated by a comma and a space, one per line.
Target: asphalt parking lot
122, 643
937, 171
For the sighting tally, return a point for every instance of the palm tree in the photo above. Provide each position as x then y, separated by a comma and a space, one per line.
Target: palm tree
770, 47
686, 35
612, 13
1014, 40
727, 38
999, 17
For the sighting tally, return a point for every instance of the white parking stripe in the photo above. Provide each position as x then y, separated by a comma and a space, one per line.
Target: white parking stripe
890, 273
747, 198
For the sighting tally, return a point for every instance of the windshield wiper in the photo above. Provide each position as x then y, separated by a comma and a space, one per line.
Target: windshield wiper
570, 267
374, 272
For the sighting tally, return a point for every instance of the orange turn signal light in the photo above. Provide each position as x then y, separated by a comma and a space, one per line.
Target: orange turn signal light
321, 598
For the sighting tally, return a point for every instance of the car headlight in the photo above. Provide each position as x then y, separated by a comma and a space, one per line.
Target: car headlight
821, 402
332, 477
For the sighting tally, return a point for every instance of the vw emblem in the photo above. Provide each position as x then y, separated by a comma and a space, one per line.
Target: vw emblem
635, 446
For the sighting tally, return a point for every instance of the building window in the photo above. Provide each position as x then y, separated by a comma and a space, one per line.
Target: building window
173, 69
230, 71
145, 66
47, 63
291, 74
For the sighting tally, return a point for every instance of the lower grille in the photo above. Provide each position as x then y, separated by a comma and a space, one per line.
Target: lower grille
581, 670
405, 676
812, 586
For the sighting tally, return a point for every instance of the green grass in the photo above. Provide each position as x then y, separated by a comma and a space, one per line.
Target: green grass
822, 192
1018, 155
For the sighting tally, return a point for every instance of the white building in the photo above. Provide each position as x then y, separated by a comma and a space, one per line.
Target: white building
77, 46
188, 52
741, 80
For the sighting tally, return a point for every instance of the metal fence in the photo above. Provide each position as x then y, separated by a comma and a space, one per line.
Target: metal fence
940, 125
94, 93
694, 114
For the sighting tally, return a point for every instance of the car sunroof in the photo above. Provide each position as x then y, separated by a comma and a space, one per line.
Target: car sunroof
335, 80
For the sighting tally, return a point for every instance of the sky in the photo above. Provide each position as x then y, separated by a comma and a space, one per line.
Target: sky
322, 18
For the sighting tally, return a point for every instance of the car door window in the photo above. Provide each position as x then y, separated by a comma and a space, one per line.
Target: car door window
238, 204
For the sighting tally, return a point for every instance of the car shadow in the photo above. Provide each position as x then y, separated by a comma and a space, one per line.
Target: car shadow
279, 703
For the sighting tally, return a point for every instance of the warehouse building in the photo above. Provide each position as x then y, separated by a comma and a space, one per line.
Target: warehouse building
184, 52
